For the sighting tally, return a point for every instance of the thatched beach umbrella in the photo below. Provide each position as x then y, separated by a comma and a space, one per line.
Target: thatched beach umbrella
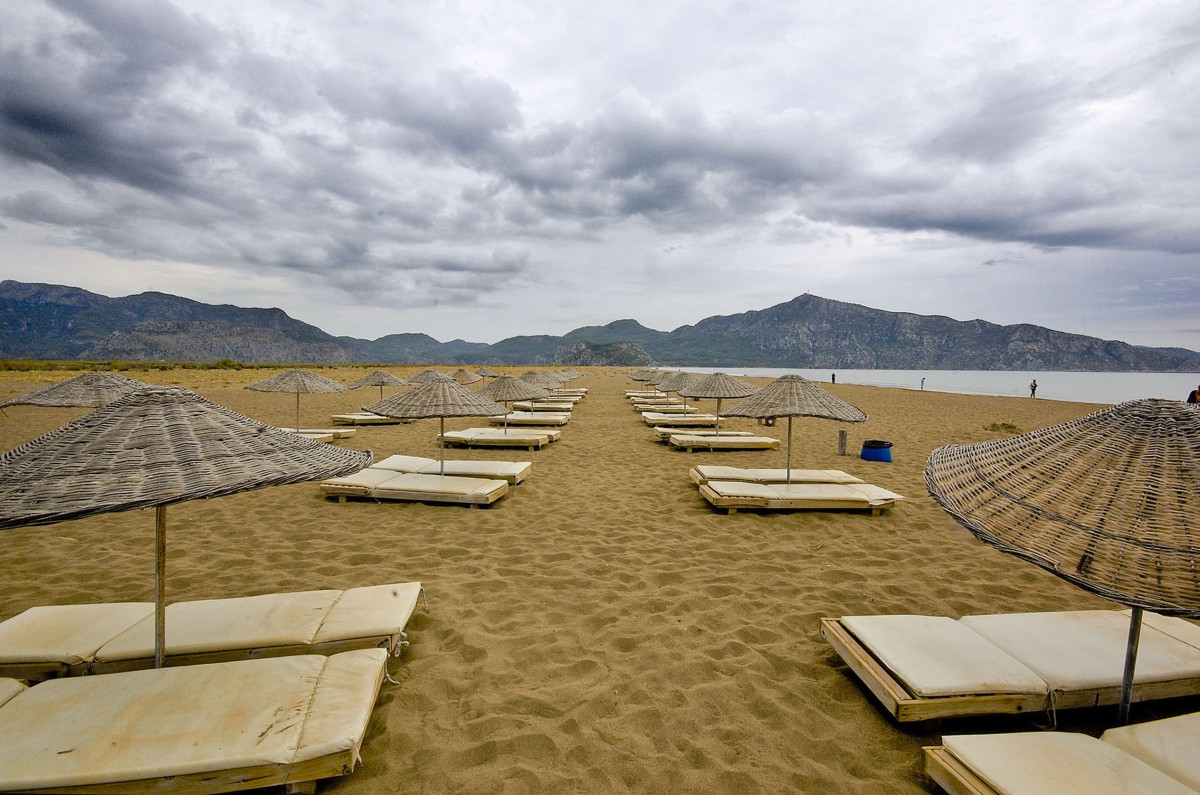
439, 398
505, 389
297, 381
540, 379
1108, 502
678, 381
154, 448
88, 389
426, 376
793, 396
719, 386
465, 377
379, 378
486, 373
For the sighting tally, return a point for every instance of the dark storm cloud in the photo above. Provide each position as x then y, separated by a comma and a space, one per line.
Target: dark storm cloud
78, 102
402, 164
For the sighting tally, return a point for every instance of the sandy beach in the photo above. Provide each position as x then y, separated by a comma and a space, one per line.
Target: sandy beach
601, 629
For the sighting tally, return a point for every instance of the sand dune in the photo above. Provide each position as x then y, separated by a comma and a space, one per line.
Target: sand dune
600, 629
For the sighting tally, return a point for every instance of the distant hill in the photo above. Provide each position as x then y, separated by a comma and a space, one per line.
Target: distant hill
45, 321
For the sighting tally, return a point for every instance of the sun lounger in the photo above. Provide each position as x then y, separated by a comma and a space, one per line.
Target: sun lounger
666, 408
65, 640
543, 405
511, 472
336, 433
500, 437
665, 432
197, 729
382, 484
535, 418
657, 418
1155, 757
579, 392
703, 473
365, 418
559, 398
732, 495
692, 443
924, 667
663, 400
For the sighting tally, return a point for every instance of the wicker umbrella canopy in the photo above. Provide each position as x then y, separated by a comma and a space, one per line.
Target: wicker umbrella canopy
505, 389
464, 377
678, 381
440, 398
794, 396
379, 378
88, 389
540, 379
643, 375
154, 448
298, 382
486, 373
427, 376
719, 386
1107, 501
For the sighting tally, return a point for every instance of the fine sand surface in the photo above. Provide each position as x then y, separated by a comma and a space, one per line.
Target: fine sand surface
601, 629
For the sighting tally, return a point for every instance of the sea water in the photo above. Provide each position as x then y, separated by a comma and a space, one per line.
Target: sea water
1106, 388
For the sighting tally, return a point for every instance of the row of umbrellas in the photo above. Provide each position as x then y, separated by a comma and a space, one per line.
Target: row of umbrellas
1105, 501
788, 396
151, 447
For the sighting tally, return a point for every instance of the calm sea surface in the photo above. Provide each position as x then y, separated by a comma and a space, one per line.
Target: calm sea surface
1077, 387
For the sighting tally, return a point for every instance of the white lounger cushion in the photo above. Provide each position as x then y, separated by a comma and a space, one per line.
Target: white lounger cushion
658, 418
512, 471
67, 634
1085, 649
725, 442
797, 495
1058, 763
938, 656
152, 724
1168, 745
448, 485
369, 611
362, 481
247, 622
9, 688
514, 435
252, 623
713, 472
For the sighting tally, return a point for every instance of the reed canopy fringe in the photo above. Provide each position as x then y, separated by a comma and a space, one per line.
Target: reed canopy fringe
1108, 501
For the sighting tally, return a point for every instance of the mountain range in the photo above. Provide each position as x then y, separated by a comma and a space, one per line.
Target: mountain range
44, 321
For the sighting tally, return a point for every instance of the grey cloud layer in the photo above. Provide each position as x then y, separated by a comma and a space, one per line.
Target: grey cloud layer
149, 132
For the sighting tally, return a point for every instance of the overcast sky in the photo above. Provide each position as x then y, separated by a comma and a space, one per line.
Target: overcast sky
480, 170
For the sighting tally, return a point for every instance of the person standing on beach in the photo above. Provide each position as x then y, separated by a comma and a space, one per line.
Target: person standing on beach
833, 378
922, 383
1194, 397
1033, 388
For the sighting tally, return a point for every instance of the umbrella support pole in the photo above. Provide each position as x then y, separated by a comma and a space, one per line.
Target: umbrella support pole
1131, 649
160, 586
442, 447
297, 412
789, 451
